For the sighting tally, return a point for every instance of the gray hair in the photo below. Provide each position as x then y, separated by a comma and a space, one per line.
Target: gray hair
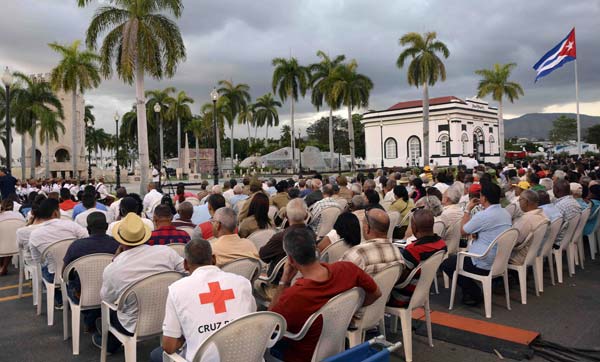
216, 189
369, 184
198, 252
227, 217
359, 202
454, 193
547, 183
296, 210
356, 189
432, 203
559, 174
531, 196
238, 189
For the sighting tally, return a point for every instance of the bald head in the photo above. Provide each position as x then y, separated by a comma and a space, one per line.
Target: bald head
377, 223
422, 223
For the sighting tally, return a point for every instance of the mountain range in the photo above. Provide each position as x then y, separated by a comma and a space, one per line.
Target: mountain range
538, 125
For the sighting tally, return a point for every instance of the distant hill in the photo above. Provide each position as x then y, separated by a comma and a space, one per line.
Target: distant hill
538, 125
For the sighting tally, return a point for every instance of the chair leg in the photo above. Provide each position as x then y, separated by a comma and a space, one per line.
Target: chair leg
446, 281
581, 253
559, 266
435, 285
539, 272
536, 279
550, 269
487, 296
571, 259
406, 321
523, 284
382, 326
75, 325
354, 337
428, 322
105, 324
21, 276
453, 290
506, 290
592, 244
65, 314
34, 287
130, 347
50, 303
40, 288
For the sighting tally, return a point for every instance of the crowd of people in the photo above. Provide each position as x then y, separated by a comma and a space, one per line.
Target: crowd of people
216, 225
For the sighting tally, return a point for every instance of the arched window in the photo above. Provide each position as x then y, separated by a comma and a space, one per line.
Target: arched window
391, 148
62, 155
492, 139
464, 139
444, 140
414, 150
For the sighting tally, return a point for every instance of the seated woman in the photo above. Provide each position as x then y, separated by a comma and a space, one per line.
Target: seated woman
258, 216
346, 227
403, 204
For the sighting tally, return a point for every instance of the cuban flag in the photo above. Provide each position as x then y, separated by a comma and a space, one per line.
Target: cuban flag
562, 53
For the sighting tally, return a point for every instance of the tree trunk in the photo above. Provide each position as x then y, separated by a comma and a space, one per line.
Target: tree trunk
249, 134
142, 128
33, 149
23, 166
47, 173
231, 146
331, 138
74, 133
425, 125
293, 143
179, 143
351, 139
501, 131
197, 154
219, 160
161, 143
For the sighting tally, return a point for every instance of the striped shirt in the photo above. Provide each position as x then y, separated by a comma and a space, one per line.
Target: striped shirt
165, 235
316, 210
373, 255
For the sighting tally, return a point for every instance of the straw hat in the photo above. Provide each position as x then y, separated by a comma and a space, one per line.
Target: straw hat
131, 231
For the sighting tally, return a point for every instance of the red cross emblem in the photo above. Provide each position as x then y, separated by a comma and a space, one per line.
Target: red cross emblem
217, 296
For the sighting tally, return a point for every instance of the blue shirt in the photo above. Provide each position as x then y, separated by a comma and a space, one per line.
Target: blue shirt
200, 214
79, 208
487, 224
551, 212
237, 198
590, 225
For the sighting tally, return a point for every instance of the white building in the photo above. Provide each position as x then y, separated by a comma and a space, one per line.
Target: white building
457, 128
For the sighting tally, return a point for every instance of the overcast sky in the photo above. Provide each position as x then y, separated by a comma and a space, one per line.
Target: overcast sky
237, 40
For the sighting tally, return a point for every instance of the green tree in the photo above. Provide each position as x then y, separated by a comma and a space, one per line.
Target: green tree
286, 133
239, 97
593, 135
199, 126
265, 112
353, 90
246, 116
179, 109
88, 116
14, 89
224, 115
425, 69
163, 98
140, 40
76, 71
323, 77
564, 129
290, 79
50, 125
495, 82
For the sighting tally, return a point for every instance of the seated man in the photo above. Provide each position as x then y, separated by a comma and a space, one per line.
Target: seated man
192, 320
205, 230
532, 217
229, 246
426, 245
135, 260
79, 208
566, 204
548, 208
66, 202
485, 225
318, 207
126, 205
97, 242
185, 210
89, 202
164, 231
281, 198
319, 283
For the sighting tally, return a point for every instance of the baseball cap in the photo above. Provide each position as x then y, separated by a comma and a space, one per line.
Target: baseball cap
475, 188
523, 185
521, 171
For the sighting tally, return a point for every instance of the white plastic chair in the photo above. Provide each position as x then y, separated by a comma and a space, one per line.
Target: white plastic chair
593, 240
28, 271
328, 217
420, 298
179, 248
263, 282
578, 254
89, 268
187, 229
261, 237
336, 314
272, 212
57, 251
193, 200
373, 315
244, 339
8, 243
151, 297
512, 209
546, 252
247, 267
439, 228
534, 240
505, 242
394, 218
564, 247
452, 238
334, 252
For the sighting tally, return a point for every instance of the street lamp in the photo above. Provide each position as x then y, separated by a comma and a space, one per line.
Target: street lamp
117, 169
88, 133
7, 79
157, 118
449, 143
300, 151
381, 139
214, 95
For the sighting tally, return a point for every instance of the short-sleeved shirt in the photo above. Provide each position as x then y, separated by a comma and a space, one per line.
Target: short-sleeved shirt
67, 205
165, 235
487, 224
373, 255
79, 208
199, 305
306, 296
551, 212
50, 232
90, 245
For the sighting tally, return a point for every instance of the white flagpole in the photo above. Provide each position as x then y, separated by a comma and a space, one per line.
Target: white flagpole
577, 102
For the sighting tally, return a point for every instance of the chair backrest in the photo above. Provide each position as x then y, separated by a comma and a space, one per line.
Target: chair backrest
261, 237
452, 237
57, 251
595, 216
551, 235
394, 219
372, 314
585, 214
273, 211
193, 200
278, 267
337, 314
537, 238
570, 231
504, 243
328, 217
439, 228
428, 270
247, 267
8, 230
342, 202
179, 248
89, 268
334, 252
151, 297
187, 229
244, 339
511, 209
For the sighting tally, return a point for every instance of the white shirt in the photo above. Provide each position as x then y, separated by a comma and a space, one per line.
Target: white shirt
50, 232
389, 196
471, 163
199, 305
23, 241
81, 219
131, 266
155, 174
228, 194
101, 189
11, 215
441, 186
114, 223
113, 211
151, 200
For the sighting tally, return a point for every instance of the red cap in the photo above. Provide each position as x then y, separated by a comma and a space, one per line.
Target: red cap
521, 171
475, 188
541, 174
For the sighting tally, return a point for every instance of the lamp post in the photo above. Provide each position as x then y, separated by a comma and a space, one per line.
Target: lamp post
157, 117
381, 140
7, 79
88, 132
117, 169
214, 95
449, 143
300, 152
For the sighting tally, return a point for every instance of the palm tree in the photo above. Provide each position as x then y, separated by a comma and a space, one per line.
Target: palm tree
179, 109
76, 71
239, 97
351, 89
321, 83
33, 103
88, 116
141, 40
12, 101
495, 82
199, 126
246, 116
164, 99
425, 69
50, 125
265, 112
289, 80
224, 115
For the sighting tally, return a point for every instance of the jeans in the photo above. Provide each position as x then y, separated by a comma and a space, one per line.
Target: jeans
90, 315
469, 286
156, 355
49, 277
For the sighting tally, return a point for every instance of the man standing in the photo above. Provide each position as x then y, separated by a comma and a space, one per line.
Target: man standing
229, 246
151, 200
7, 183
164, 232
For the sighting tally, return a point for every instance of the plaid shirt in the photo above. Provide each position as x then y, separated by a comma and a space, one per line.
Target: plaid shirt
168, 235
568, 207
373, 255
316, 210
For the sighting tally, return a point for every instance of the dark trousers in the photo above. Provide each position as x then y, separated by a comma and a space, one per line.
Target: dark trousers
90, 315
113, 343
49, 277
469, 286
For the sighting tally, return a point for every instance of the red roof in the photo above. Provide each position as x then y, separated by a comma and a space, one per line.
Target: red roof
419, 103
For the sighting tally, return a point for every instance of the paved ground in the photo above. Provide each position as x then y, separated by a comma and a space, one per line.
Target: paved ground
568, 314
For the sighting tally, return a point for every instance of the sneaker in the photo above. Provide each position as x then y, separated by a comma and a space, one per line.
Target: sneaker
97, 341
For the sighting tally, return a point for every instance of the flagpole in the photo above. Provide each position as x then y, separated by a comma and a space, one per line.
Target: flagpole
577, 102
